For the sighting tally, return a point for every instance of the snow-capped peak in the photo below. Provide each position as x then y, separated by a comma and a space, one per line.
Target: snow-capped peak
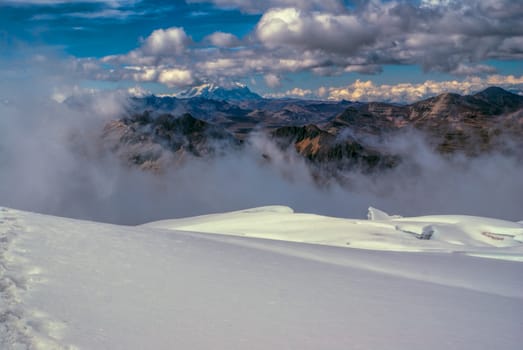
235, 91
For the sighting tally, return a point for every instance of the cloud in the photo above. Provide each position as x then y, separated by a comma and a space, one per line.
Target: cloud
113, 9
256, 6
41, 139
410, 92
364, 68
272, 80
175, 77
105, 13
456, 37
344, 33
435, 3
162, 57
504, 80
142, 74
469, 70
445, 36
221, 39
165, 42
171, 77
112, 3
296, 93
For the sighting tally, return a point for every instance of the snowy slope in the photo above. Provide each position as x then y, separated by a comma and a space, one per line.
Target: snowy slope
74, 284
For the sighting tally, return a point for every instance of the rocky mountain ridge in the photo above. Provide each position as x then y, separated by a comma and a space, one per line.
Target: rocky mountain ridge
334, 135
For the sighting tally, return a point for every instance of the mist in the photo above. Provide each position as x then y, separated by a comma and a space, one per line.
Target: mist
51, 162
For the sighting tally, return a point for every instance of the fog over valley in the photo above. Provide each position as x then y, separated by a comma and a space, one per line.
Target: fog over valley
56, 161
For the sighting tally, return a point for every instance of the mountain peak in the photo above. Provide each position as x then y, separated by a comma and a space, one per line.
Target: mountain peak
211, 91
500, 97
493, 90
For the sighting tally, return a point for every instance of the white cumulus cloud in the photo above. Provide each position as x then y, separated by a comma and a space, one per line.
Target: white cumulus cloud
163, 42
295, 92
456, 37
175, 77
221, 39
339, 33
272, 80
411, 92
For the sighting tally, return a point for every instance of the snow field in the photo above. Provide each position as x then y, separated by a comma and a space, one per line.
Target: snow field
82, 285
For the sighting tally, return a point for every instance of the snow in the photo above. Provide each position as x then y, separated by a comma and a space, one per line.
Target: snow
236, 91
443, 233
69, 284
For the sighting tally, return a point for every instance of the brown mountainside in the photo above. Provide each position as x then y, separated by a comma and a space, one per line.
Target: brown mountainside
471, 125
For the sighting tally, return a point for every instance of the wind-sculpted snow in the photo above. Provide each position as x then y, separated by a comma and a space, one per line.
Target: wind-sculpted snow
69, 284
460, 233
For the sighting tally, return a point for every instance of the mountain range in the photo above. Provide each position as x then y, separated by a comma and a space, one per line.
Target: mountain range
334, 135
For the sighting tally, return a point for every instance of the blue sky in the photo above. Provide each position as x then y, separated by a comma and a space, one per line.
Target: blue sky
391, 50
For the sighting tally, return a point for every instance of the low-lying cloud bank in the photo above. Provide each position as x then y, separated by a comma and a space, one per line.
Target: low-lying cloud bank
51, 161
406, 92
